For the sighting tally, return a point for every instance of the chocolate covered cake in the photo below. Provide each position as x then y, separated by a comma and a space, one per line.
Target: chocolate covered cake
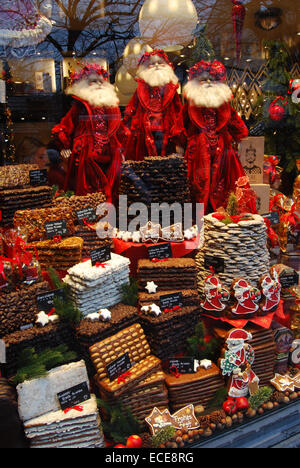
18, 309
196, 389
61, 254
11, 428
39, 338
170, 274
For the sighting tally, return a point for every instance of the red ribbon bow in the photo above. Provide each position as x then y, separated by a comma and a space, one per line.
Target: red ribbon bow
273, 237
123, 377
166, 311
102, 265
176, 373
76, 408
87, 223
57, 238
155, 260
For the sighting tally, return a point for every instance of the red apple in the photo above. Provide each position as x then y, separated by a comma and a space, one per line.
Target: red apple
229, 406
134, 441
242, 403
120, 446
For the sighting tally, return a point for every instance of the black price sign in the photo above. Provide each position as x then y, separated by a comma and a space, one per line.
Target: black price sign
289, 280
56, 228
100, 255
217, 263
38, 177
73, 396
45, 301
273, 217
183, 365
160, 251
171, 301
118, 367
87, 213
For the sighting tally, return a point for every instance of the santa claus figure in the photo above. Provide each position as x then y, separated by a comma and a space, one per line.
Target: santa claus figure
246, 297
212, 126
214, 295
92, 134
154, 115
237, 362
271, 292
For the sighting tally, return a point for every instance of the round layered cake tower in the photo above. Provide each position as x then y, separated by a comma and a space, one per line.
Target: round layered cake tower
242, 246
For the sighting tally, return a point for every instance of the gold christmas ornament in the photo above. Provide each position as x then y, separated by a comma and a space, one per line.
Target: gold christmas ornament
168, 24
125, 83
134, 50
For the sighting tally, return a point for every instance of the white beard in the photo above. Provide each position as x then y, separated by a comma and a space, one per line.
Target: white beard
203, 95
157, 77
104, 96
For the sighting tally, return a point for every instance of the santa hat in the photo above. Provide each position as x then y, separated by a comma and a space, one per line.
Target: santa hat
238, 335
215, 69
242, 284
89, 69
266, 281
212, 282
158, 52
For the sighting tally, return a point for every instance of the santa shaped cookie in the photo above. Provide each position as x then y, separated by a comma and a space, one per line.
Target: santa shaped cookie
246, 299
215, 296
271, 289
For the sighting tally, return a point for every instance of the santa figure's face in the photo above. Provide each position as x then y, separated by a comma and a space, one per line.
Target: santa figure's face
235, 345
204, 90
156, 72
95, 90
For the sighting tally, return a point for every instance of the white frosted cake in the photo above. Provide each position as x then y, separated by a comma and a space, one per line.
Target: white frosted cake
39, 396
77, 428
98, 287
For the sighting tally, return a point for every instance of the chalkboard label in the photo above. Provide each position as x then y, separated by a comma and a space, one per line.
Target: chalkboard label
171, 301
184, 365
56, 228
45, 301
273, 217
100, 255
38, 177
217, 263
73, 396
160, 251
289, 280
87, 213
118, 367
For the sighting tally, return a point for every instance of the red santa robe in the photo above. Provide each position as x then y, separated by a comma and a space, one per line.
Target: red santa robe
213, 165
144, 114
97, 138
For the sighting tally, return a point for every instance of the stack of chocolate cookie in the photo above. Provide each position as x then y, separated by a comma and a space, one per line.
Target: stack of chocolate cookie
90, 238
61, 254
89, 331
11, 428
197, 389
264, 348
167, 329
39, 338
149, 393
156, 180
16, 191
98, 287
19, 308
16, 199
141, 386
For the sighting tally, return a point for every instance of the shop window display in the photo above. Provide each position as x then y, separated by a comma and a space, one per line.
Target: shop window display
149, 222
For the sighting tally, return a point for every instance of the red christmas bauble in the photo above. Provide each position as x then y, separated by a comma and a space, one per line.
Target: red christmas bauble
276, 113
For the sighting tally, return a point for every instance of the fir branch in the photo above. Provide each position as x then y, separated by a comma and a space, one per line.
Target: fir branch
260, 397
